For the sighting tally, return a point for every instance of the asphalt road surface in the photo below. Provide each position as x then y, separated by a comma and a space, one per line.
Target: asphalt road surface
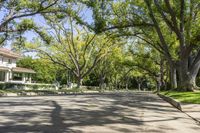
135, 112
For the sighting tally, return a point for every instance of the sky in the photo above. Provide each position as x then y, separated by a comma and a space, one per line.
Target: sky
40, 21
87, 15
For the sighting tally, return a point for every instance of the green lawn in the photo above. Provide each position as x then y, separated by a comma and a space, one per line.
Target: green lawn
184, 97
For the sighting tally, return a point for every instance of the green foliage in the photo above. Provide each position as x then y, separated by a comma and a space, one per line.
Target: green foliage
184, 97
130, 41
76, 49
26, 24
45, 70
15, 17
13, 87
167, 27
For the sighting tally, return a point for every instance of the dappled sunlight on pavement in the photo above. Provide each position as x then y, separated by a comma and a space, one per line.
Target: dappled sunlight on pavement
95, 113
192, 110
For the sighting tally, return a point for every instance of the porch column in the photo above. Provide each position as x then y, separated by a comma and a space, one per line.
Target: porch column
10, 75
23, 77
29, 78
6, 76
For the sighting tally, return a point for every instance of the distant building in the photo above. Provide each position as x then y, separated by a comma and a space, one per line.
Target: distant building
9, 72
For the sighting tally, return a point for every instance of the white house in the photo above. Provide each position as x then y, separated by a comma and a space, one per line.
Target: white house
9, 72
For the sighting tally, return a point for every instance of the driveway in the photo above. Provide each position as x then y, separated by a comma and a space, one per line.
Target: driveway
135, 112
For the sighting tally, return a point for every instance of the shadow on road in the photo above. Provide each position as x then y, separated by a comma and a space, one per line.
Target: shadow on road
72, 113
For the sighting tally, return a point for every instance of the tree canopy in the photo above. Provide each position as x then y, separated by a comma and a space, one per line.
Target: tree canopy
118, 42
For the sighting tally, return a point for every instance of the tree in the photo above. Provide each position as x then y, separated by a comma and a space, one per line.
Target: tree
76, 50
45, 70
177, 20
187, 40
146, 64
14, 22
109, 70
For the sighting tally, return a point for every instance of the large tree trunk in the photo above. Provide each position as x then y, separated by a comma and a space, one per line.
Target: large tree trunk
116, 83
187, 81
187, 75
102, 81
140, 83
126, 86
187, 84
79, 82
162, 73
139, 86
158, 85
173, 77
126, 82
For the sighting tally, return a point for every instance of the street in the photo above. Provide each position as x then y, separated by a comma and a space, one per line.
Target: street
123, 112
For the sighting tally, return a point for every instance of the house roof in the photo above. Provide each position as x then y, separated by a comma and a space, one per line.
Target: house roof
23, 70
4, 68
9, 53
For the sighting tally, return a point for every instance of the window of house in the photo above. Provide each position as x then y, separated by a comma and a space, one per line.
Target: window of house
2, 76
9, 61
17, 76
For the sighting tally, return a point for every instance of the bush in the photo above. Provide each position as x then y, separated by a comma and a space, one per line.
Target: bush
27, 86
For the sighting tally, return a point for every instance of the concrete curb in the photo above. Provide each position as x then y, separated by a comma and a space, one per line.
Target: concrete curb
22, 94
41, 94
61, 93
171, 101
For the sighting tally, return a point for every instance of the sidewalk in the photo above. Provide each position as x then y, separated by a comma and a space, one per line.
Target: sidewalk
192, 109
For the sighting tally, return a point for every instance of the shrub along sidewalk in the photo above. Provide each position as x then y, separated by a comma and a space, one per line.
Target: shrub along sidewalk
21, 92
35, 92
